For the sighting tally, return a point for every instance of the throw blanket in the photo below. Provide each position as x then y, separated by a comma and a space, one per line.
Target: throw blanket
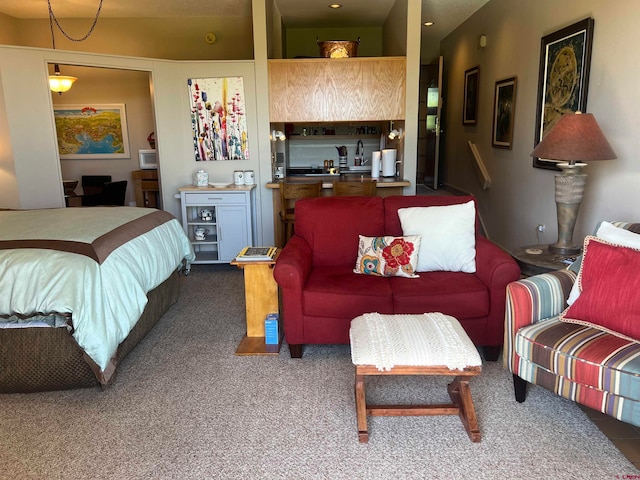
92, 265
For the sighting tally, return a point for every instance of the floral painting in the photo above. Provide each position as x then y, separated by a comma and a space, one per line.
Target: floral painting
218, 118
91, 131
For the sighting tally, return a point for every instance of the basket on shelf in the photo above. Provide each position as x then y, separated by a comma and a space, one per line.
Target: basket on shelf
338, 48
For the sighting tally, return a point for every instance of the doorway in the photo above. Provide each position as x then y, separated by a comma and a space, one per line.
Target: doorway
111, 86
429, 125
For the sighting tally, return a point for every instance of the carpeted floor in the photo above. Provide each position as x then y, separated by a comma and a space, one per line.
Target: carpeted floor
183, 406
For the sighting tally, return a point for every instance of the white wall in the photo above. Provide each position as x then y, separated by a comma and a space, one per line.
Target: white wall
26, 124
522, 196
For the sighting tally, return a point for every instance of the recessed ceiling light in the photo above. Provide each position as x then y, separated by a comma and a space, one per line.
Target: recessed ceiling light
335, 5
428, 24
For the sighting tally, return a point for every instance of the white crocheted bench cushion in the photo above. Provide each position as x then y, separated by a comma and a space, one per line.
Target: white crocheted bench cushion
430, 339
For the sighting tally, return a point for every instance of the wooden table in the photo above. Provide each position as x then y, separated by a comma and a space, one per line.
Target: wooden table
146, 187
261, 297
537, 259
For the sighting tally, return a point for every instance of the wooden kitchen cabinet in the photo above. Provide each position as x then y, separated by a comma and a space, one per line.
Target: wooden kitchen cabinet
337, 90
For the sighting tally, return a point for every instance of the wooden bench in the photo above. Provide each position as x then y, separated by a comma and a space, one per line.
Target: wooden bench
386, 345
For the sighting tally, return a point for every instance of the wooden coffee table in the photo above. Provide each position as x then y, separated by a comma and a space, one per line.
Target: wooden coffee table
396, 337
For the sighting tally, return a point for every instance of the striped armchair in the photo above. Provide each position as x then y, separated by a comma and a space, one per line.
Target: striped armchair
582, 364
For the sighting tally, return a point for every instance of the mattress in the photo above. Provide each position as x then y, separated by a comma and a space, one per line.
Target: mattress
89, 269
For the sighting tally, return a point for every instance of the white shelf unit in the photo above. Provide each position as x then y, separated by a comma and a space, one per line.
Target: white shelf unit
231, 227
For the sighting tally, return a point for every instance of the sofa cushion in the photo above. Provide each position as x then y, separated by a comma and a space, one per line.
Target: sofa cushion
448, 236
388, 256
458, 294
332, 225
609, 284
338, 292
393, 203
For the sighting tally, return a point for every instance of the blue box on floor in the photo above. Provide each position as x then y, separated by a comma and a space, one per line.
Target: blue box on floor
271, 329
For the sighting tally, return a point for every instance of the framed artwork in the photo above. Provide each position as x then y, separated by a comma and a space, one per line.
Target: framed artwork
91, 131
504, 105
470, 104
563, 79
218, 118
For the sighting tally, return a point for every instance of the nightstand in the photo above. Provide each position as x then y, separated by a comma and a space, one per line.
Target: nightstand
536, 259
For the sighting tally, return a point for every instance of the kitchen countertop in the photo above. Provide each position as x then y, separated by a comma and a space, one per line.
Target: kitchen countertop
327, 180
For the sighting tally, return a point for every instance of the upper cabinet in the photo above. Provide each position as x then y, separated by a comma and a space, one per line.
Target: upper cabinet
337, 90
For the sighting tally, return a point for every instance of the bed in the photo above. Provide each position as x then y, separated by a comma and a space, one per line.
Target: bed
79, 288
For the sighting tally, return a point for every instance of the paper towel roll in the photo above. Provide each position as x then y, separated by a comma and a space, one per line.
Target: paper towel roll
389, 162
375, 164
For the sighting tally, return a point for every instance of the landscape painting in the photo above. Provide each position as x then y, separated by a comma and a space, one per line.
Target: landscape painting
91, 131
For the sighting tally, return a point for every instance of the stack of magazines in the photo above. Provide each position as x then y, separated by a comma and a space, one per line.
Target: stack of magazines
253, 254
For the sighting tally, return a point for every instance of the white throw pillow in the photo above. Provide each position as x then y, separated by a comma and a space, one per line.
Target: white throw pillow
448, 236
612, 234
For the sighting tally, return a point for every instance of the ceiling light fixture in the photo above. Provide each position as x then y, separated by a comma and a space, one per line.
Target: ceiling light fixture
428, 24
335, 5
62, 83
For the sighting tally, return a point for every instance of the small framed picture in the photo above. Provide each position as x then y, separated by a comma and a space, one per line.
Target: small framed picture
148, 159
504, 104
470, 104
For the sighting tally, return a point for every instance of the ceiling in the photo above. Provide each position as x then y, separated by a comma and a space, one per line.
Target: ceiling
446, 14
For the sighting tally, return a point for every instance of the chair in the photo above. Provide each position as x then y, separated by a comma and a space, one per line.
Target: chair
94, 184
584, 364
364, 188
113, 193
289, 193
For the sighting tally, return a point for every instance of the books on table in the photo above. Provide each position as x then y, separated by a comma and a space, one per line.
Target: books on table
254, 254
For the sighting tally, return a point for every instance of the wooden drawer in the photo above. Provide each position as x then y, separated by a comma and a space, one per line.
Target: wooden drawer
214, 198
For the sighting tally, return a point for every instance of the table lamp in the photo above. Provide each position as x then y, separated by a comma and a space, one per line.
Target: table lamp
575, 139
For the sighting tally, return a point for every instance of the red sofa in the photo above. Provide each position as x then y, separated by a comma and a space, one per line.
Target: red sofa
321, 294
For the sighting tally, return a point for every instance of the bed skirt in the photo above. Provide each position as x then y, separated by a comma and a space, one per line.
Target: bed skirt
44, 359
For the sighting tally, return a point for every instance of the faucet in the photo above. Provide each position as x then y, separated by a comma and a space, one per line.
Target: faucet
360, 153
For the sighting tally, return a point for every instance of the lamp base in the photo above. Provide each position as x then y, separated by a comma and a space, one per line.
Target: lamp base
564, 249
569, 191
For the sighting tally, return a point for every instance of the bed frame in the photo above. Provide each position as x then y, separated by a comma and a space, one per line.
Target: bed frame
43, 359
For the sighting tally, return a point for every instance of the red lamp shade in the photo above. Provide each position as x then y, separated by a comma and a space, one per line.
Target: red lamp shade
576, 137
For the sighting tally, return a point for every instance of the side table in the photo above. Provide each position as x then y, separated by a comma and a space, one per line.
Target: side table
261, 298
536, 259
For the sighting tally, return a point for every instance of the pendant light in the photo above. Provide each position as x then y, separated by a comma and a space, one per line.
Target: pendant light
62, 83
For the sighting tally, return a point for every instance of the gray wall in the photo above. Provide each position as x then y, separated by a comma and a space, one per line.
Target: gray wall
522, 196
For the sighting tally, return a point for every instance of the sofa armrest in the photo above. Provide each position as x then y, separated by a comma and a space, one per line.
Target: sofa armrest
290, 272
495, 268
533, 300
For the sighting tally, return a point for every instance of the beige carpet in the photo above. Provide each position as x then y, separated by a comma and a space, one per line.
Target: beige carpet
183, 406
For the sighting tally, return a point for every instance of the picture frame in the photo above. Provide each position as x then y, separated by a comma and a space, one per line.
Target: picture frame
563, 78
148, 159
91, 131
504, 107
470, 101
217, 107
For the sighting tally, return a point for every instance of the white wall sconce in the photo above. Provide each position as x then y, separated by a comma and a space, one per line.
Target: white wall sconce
395, 133
278, 135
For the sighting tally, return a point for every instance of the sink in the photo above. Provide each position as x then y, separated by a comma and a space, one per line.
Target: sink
358, 168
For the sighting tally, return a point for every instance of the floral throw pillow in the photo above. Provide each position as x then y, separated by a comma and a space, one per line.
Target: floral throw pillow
388, 256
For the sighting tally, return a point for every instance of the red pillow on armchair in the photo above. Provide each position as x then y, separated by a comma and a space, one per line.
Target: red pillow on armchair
609, 284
